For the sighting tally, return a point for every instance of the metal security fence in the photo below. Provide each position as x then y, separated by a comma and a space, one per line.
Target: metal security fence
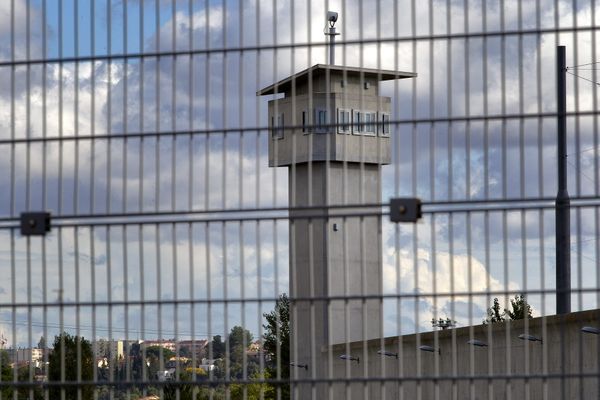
299, 199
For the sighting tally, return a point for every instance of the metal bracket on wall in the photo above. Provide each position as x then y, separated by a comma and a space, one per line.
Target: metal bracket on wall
35, 223
405, 210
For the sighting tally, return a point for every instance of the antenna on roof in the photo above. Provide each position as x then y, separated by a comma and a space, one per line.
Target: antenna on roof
332, 18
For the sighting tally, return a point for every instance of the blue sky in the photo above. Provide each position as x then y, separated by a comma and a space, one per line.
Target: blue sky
68, 31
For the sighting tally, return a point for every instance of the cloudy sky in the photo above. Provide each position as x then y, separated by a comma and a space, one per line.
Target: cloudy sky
461, 73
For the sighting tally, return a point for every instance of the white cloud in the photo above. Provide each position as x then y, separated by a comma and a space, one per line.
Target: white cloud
17, 11
441, 274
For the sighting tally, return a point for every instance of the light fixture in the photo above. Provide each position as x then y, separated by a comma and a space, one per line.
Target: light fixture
590, 329
387, 353
478, 343
530, 338
429, 349
348, 357
332, 18
304, 366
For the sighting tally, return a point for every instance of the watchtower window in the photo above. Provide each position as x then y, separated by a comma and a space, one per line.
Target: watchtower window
370, 123
343, 121
277, 126
321, 119
304, 121
358, 122
385, 125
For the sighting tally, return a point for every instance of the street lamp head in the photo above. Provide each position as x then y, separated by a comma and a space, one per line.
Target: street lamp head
387, 353
530, 338
348, 357
590, 329
430, 349
332, 18
297, 365
478, 343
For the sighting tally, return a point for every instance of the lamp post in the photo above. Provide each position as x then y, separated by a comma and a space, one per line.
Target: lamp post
332, 18
563, 218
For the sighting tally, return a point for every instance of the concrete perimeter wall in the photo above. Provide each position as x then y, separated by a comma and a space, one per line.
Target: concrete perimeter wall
565, 365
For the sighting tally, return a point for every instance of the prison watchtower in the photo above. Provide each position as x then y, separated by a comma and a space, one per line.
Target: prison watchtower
331, 128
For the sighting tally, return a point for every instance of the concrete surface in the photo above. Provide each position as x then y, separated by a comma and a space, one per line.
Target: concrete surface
564, 365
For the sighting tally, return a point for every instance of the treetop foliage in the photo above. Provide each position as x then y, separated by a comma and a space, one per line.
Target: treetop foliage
71, 360
277, 343
520, 310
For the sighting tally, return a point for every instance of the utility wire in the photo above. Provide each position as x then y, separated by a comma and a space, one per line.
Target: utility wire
584, 65
584, 150
581, 77
84, 327
578, 170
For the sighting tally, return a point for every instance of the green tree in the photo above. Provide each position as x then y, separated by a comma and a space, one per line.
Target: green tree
42, 343
157, 357
7, 374
253, 391
71, 356
277, 342
218, 348
135, 354
520, 308
186, 392
185, 352
239, 339
23, 375
494, 314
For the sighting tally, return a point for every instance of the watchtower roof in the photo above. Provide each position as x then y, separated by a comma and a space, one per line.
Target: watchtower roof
285, 85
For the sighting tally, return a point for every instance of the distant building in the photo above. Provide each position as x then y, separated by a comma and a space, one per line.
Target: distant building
207, 365
26, 356
165, 375
102, 362
193, 348
109, 349
174, 361
254, 349
165, 344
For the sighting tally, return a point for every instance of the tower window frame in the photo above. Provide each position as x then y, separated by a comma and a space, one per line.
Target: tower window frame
357, 122
385, 128
321, 120
370, 123
277, 126
305, 122
344, 122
